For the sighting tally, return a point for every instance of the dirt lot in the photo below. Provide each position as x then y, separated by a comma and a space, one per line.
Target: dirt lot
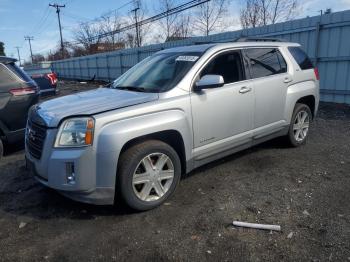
306, 190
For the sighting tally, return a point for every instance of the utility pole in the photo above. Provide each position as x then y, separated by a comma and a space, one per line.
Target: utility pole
19, 57
57, 6
30, 38
137, 26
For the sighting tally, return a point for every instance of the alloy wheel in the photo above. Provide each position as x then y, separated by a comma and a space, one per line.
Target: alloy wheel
301, 126
153, 177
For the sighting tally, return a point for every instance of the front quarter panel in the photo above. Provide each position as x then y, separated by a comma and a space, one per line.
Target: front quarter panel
112, 135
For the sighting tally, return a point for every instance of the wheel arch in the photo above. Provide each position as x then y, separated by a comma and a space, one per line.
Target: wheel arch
171, 137
310, 101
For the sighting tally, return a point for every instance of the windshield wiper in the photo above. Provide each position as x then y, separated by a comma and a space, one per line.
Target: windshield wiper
131, 88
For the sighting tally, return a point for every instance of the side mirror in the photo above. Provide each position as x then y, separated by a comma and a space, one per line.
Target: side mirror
209, 81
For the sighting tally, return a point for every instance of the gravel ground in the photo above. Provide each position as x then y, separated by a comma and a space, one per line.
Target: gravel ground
306, 190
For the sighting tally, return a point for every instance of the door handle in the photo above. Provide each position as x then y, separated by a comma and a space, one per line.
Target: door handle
287, 79
245, 89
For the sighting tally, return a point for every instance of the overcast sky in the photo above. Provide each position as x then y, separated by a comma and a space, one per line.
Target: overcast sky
35, 18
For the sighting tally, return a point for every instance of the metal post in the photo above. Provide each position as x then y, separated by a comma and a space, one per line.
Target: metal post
317, 42
19, 57
80, 69
88, 67
138, 55
108, 73
96, 68
121, 63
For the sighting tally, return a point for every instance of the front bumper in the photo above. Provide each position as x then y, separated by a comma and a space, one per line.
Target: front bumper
52, 171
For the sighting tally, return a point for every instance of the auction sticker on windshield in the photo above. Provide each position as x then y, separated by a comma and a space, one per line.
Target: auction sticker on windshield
187, 58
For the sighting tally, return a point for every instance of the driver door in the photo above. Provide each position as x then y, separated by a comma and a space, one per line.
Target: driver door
223, 117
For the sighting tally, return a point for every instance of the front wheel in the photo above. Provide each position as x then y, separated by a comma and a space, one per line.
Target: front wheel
300, 124
148, 174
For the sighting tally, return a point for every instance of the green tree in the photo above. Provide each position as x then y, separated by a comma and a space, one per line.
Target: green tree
2, 49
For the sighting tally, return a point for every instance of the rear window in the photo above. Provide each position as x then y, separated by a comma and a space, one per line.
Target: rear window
265, 62
301, 57
18, 71
5, 76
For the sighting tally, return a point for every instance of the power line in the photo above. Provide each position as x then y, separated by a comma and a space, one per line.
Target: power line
107, 13
40, 21
43, 24
180, 8
175, 10
30, 38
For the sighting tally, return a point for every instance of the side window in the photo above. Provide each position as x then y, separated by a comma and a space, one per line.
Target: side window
265, 62
228, 65
6, 76
18, 71
301, 58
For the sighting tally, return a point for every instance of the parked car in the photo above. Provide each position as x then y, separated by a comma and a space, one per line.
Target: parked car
174, 111
18, 92
44, 76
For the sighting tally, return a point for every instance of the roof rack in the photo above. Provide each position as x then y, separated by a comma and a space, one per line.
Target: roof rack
258, 39
242, 39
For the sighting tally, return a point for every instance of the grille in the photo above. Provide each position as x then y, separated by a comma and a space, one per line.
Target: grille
35, 138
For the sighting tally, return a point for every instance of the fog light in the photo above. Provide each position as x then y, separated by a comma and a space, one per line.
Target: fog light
70, 173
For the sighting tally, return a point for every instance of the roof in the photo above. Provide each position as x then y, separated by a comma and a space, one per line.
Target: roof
188, 48
204, 47
5, 59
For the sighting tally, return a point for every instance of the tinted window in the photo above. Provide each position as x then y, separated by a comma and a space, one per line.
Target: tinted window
301, 57
19, 72
265, 62
5, 76
228, 65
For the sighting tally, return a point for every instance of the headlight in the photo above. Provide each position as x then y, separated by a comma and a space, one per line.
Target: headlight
75, 132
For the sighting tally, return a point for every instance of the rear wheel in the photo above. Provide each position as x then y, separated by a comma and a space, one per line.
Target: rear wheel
300, 124
148, 174
1, 149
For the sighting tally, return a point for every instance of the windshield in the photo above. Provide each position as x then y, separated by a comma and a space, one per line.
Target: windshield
157, 73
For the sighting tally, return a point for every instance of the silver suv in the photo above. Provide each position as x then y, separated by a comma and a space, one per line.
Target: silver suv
174, 111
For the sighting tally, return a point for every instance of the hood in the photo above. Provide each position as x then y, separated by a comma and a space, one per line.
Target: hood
51, 112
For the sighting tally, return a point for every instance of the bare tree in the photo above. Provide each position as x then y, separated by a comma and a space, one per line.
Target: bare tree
264, 12
88, 35
183, 26
38, 58
110, 23
250, 16
209, 16
167, 24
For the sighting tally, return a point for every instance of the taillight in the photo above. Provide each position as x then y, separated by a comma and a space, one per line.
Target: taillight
52, 77
316, 73
23, 91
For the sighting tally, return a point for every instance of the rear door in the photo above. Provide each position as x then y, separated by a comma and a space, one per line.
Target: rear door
268, 70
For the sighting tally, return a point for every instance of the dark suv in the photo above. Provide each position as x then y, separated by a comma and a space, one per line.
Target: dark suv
18, 92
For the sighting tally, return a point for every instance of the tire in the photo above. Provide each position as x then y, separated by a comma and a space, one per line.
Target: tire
141, 170
299, 128
1, 149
